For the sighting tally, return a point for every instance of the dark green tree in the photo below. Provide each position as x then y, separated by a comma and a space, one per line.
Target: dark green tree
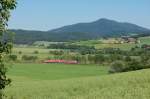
36, 52
13, 57
5, 45
20, 52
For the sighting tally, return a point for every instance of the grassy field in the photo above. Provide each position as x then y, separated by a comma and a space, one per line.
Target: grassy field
145, 40
55, 71
28, 50
28, 78
43, 53
126, 46
76, 82
62, 81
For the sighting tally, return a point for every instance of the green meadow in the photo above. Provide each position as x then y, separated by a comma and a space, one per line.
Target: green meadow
101, 59
69, 81
53, 81
126, 46
145, 40
55, 71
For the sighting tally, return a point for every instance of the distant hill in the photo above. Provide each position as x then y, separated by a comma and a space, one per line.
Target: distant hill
102, 27
82, 31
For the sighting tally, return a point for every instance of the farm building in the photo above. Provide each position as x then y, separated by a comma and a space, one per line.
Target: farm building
146, 46
61, 61
127, 39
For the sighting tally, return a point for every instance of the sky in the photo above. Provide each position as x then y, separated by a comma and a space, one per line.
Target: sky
50, 14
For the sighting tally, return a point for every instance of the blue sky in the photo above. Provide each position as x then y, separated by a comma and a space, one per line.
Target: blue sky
50, 14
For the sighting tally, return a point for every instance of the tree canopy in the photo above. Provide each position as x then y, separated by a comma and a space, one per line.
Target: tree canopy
5, 47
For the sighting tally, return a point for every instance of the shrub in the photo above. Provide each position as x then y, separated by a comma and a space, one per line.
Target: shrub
13, 57
114, 57
29, 58
134, 65
147, 64
120, 66
127, 58
57, 52
99, 58
20, 52
35, 52
117, 66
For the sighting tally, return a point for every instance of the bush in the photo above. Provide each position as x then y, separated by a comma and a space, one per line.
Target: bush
20, 52
35, 52
99, 58
29, 58
127, 58
117, 66
147, 64
134, 65
57, 52
120, 66
13, 57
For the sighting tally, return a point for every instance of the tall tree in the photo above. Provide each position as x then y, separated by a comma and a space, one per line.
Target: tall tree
5, 45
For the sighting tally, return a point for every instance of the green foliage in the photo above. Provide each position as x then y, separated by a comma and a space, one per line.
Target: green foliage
5, 45
134, 65
29, 58
135, 59
69, 46
36, 52
127, 58
82, 49
20, 52
125, 66
117, 66
57, 52
13, 57
99, 58
147, 64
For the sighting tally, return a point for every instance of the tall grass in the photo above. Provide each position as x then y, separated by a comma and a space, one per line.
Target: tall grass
132, 85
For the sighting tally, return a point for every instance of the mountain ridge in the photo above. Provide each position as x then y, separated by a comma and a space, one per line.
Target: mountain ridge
82, 31
99, 24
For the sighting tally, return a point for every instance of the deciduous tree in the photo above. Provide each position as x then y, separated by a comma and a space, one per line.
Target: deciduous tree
5, 45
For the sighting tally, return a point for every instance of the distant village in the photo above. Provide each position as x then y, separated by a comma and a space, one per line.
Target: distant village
127, 39
122, 40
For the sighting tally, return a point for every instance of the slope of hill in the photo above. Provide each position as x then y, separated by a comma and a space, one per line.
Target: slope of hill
81, 31
132, 85
102, 27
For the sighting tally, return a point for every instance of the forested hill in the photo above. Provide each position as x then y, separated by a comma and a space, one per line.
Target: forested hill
81, 31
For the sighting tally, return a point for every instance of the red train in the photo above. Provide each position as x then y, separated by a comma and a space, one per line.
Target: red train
61, 61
